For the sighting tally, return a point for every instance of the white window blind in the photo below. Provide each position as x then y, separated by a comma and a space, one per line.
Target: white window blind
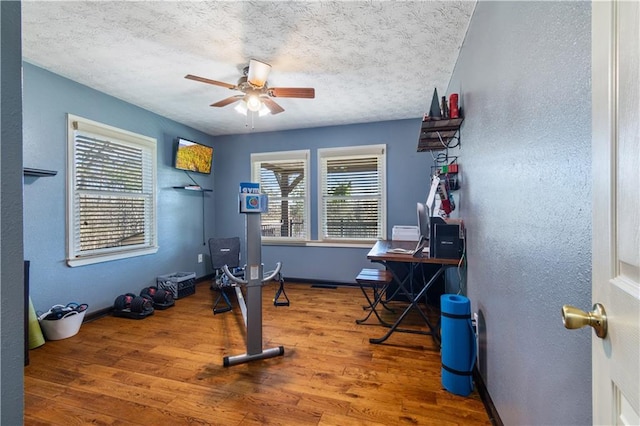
112, 193
283, 176
352, 204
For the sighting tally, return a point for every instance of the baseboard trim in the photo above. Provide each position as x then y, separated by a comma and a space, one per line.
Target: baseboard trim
208, 277
97, 314
329, 286
494, 417
319, 283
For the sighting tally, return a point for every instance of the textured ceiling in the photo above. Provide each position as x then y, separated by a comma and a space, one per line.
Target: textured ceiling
368, 61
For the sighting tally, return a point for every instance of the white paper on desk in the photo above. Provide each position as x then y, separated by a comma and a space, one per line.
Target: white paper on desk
406, 251
400, 251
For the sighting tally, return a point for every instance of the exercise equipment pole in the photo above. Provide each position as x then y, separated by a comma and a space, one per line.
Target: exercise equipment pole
253, 282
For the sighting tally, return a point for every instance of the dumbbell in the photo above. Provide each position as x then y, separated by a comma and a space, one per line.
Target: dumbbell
137, 304
158, 295
57, 312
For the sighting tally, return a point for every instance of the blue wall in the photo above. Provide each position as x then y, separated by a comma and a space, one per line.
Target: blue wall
12, 300
47, 99
407, 183
524, 76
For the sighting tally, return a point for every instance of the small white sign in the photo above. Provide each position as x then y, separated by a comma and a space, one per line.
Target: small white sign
254, 272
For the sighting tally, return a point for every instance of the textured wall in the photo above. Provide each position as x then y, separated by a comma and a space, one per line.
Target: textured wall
524, 78
11, 290
47, 99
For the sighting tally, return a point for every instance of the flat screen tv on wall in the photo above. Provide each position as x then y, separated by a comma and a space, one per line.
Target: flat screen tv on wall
193, 156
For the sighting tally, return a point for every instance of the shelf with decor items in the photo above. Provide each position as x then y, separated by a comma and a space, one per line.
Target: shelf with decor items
438, 135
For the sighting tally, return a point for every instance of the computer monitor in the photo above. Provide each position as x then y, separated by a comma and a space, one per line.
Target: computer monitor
424, 227
423, 221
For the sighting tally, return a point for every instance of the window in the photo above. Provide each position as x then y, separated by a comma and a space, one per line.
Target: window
111, 197
283, 176
352, 193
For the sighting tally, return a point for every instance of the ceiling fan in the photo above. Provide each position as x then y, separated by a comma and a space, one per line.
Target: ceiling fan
257, 94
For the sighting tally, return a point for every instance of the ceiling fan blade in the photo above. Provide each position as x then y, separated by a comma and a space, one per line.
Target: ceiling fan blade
272, 106
292, 92
228, 101
209, 81
258, 73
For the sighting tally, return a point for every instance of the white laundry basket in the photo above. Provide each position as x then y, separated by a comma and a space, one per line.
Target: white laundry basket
62, 328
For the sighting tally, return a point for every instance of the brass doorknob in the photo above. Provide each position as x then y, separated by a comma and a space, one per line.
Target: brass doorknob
573, 317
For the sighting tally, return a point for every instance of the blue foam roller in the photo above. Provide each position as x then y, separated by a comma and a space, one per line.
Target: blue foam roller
458, 344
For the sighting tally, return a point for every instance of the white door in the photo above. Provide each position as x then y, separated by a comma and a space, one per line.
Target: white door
616, 206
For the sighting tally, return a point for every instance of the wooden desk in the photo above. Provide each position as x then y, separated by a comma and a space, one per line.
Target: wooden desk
379, 253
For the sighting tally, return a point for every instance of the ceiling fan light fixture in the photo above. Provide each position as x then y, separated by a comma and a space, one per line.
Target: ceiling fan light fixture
258, 73
241, 108
253, 103
263, 111
257, 96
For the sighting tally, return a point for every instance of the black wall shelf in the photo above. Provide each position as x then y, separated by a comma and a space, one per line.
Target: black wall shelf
193, 188
27, 171
436, 135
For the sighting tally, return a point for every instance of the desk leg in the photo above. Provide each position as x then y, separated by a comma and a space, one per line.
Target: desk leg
414, 304
377, 299
400, 283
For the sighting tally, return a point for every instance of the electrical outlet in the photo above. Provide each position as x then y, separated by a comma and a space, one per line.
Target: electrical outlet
200, 258
476, 330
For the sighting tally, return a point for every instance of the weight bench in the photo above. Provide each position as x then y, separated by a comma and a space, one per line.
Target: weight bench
377, 280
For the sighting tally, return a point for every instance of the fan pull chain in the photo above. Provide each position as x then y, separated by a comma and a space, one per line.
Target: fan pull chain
246, 122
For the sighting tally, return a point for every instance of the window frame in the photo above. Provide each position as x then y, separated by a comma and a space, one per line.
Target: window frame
77, 257
353, 152
287, 156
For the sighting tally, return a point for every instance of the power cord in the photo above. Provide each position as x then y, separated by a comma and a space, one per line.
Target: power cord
462, 264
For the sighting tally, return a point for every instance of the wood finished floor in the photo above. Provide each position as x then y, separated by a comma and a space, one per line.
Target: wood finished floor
167, 369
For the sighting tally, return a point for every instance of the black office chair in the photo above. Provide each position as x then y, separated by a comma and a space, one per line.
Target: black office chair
224, 251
